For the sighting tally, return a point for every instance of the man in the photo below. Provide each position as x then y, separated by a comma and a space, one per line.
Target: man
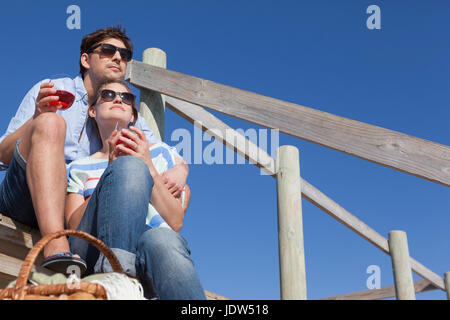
41, 140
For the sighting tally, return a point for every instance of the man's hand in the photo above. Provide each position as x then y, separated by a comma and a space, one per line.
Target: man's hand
175, 178
45, 96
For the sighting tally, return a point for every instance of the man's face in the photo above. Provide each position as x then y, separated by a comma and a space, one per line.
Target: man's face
103, 67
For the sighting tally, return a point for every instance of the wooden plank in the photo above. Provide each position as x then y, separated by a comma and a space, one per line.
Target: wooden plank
10, 266
17, 233
214, 296
382, 293
419, 157
210, 122
17, 239
291, 251
223, 133
151, 106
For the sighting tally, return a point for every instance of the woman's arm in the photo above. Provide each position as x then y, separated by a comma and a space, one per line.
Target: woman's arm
74, 210
162, 199
166, 204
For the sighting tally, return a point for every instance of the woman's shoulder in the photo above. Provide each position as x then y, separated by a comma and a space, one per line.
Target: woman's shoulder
88, 163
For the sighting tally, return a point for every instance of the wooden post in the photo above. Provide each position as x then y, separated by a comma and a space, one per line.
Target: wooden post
447, 284
398, 249
290, 225
152, 106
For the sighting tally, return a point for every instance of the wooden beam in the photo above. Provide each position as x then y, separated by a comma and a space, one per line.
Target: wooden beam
221, 131
419, 157
382, 293
291, 250
214, 296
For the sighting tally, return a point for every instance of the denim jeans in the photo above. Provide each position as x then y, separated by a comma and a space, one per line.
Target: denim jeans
15, 198
116, 214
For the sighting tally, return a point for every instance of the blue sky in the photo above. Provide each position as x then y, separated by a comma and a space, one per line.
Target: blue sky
318, 54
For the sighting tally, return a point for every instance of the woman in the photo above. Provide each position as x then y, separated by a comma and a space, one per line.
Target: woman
119, 196
108, 115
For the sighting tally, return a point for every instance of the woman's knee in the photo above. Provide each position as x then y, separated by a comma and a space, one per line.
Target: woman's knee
131, 173
161, 242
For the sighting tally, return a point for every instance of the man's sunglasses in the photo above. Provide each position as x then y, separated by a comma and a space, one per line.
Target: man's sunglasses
109, 95
110, 50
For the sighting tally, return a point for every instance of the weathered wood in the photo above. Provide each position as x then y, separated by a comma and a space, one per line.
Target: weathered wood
217, 129
419, 157
17, 239
398, 248
152, 103
214, 296
447, 284
10, 266
290, 225
223, 133
17, 233
382, 293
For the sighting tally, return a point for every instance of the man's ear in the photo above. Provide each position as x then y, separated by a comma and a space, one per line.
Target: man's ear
84, 60
91, 112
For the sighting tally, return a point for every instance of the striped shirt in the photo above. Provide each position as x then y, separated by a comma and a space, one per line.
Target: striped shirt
84, 174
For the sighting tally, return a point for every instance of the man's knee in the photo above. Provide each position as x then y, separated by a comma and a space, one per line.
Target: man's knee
50, 125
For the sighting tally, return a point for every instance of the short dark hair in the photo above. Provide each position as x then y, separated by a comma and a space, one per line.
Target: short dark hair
90, 40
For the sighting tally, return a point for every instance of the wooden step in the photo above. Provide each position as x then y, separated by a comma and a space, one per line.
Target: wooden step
16, 239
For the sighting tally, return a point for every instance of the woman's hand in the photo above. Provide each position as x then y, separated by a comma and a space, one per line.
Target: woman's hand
113, 151
134, 145
45, 96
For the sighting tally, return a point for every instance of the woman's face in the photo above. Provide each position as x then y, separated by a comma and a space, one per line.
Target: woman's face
112, 111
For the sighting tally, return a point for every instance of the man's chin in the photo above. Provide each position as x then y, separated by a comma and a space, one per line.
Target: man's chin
114, 75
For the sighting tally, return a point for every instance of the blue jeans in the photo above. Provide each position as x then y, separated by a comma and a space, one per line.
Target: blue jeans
15, 198
116, 213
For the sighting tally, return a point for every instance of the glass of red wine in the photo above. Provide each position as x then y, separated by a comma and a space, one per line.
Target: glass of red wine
119, 129
66, 97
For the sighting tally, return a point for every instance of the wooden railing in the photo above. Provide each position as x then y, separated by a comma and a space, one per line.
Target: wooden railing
188, 96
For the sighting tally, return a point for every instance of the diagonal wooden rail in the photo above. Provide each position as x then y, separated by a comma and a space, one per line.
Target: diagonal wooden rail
382, 293
419, 157
232, 139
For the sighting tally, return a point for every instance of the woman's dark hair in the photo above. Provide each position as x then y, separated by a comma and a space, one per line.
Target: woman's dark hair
90, 40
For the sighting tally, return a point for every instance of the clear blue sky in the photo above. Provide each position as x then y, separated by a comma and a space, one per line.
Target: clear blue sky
318, 54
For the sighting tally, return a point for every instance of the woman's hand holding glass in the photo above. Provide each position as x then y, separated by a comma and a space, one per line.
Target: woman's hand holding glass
131, 144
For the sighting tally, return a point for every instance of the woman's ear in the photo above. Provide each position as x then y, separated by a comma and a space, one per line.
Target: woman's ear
84, 60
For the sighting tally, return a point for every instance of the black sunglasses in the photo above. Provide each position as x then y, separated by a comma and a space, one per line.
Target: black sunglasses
110, 50
109, 95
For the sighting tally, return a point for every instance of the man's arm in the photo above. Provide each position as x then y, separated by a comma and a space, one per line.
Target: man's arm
9, 143
18, 124
174, 178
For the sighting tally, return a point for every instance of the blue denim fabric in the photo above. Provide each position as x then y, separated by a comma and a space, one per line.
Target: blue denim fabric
15, 198
116, 215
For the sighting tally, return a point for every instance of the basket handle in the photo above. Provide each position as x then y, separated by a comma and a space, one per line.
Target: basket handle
28, 263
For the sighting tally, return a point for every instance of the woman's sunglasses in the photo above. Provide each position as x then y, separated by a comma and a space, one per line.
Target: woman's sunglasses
109, 95
110, 50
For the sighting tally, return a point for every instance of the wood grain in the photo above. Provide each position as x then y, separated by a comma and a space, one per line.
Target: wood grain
419, 157
217, 128
382, 293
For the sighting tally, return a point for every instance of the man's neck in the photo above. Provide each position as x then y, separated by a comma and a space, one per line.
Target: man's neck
89, 85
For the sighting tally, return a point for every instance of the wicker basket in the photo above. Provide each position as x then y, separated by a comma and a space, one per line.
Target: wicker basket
83, 291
